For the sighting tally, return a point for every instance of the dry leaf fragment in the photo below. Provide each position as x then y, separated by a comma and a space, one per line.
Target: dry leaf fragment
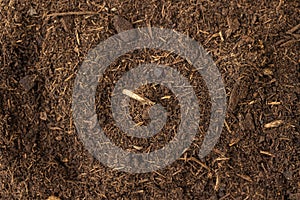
249, 121
32, 11
274, 124
239, 91
28, 82
233, 25
121, 24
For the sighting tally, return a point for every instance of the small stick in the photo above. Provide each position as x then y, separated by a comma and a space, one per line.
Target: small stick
143, 100
217, 186
292, 30
196, 161
227, 126
72, 13
267, 153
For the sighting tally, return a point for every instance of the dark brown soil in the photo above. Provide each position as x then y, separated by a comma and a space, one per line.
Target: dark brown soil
255, 45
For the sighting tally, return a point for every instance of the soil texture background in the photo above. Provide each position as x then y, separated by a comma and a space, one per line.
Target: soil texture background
255, 45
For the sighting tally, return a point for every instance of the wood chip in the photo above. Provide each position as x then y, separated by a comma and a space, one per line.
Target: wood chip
53, 198
166, 97
268, 72
137, 147
274, 103
274, 124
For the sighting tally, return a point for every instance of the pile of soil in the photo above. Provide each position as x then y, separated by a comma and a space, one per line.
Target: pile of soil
255, 45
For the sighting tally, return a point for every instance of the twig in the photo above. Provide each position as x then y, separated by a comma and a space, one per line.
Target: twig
227, 126
281, 2
143, 100
217, 185
72, 13
292, 30
196, 161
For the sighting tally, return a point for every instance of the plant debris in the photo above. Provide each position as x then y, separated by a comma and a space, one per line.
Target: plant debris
255, 45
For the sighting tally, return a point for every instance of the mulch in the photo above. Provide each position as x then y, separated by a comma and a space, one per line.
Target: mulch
255, 45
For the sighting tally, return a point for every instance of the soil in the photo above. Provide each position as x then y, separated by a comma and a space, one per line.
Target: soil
255, 45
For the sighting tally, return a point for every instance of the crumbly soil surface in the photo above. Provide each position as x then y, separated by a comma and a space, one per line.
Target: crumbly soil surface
255, 45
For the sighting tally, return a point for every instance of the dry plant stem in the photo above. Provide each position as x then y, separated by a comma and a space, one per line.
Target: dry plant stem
143, 100
71, 13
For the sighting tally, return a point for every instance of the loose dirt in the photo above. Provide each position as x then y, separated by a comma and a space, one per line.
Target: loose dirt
255, 45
